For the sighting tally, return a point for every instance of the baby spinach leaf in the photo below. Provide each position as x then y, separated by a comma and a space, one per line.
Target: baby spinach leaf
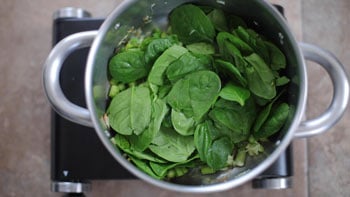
230, 53
171, 146
179, 98
195, 94
239, 119
204, 90
145, 167
156, 47
277, 58
225, 67
142, 141
182, 124
225, 38
140, 109
281, 81
262, 116
122, 142
191, 24
221, 130
243, 34
164, 90
260, 77
274, 123
235, 93
216, 130
156, 34
161, 169
219, 152
201, 48
186, 64
255, 41
203, 139
128, 66
218, 19
130, 111
156, 75
119, 113
232, 49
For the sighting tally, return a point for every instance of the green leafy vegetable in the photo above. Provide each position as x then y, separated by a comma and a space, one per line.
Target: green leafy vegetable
236, 93
226, 39
219, 152
255, 41
218, 19
227, 67
281, 81
261, 80
229, 51
142, 141
156, 75
128, 66
203, 94
195, 94
203, 139
201, 48
239, 119
130, 111
182, 124
156, 47
142, 165
186, 64
122, 142
277, 58
162, 170
170, 145
263, 115
274, 122
191, 24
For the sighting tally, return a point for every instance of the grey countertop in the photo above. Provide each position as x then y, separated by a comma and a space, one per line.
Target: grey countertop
321, 163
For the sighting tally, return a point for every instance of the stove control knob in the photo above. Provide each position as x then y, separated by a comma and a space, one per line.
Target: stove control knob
272, 183
70, 187
71, 12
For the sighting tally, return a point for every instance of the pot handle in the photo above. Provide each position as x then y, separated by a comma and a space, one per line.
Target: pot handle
340, 98
51, 72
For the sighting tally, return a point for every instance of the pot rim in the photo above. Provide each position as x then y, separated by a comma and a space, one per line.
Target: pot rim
247, 176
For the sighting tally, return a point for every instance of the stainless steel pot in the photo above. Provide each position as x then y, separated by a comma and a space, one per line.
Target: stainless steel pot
131, 15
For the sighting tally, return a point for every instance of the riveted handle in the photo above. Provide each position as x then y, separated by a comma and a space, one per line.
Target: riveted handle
340, 99
52, 68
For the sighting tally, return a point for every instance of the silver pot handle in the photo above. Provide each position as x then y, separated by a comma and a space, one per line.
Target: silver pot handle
340, 99
52, 68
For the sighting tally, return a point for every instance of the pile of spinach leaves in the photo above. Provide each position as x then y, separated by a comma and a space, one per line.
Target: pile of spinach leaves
203, 94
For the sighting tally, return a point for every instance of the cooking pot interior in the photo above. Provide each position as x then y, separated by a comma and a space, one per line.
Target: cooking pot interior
147, 14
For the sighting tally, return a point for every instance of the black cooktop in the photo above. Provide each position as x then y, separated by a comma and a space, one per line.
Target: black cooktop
77, 155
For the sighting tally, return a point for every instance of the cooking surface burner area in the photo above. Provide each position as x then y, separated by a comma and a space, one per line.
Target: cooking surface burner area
77, 155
